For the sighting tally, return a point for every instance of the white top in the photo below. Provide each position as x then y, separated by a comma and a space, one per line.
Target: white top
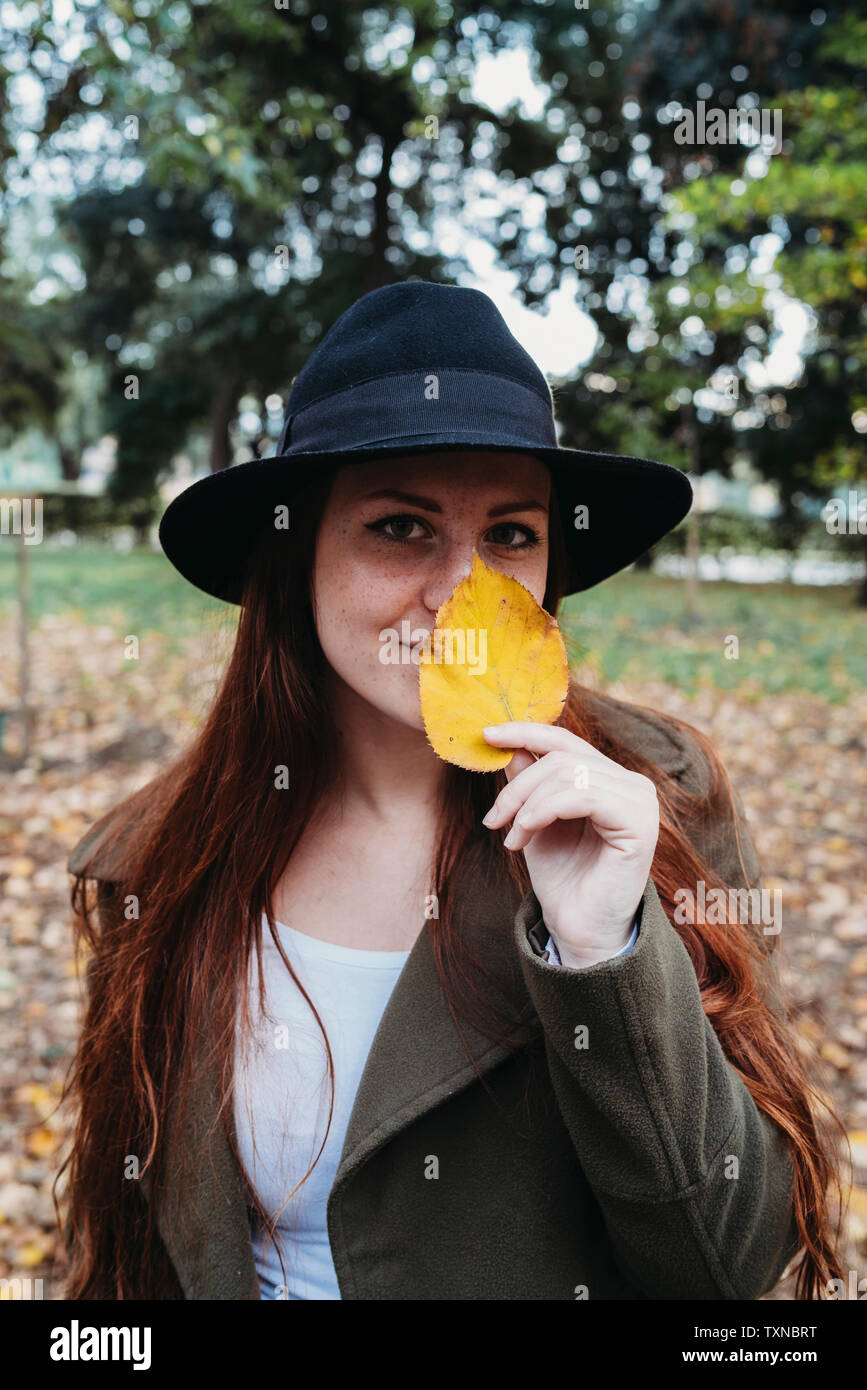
282, 1091
284, 1071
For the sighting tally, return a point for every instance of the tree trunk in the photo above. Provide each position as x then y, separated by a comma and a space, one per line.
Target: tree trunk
693, 548
25, 711
223, 405
70, 463
377, 270
693, 530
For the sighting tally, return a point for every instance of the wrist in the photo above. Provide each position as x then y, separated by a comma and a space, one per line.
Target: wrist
580, 961
591, 952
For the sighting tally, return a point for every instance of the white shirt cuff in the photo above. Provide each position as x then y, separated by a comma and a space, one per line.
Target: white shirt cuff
554, 955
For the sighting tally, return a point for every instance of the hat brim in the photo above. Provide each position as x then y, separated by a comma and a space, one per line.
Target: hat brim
208, 531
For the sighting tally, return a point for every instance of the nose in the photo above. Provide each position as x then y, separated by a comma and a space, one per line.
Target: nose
446, 574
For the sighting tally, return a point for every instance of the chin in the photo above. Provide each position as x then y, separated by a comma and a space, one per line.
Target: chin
399, 703
410, 716
407, 712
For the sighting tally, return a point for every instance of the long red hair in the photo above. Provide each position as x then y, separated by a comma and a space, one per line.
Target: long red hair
210, 840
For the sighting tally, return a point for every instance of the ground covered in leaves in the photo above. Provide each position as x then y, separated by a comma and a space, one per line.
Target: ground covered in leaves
106, 723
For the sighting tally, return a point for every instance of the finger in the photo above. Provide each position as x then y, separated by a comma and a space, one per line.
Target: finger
542, 738
551, 738
614, 814
523, 772
560, 770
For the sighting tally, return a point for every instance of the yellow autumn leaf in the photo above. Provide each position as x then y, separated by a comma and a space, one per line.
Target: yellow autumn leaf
858, 1200
836, 1055
858, 1141
42, 1142
66, 826
35, 1094
494, 655
31, 1255
809, 1028
858, 963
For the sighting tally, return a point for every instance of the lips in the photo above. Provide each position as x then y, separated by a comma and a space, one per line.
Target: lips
415, 647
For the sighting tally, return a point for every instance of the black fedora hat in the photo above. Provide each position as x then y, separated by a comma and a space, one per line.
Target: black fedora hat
417, 368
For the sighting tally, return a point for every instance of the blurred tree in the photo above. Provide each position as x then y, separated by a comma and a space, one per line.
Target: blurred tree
30, 364
807, 436
267, 167
675, 281
239, 176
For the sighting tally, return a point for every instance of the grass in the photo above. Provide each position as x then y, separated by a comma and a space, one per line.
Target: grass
99, 585
789, 637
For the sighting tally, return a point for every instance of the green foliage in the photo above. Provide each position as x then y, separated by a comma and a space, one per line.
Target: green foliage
30, 367
743, 534
259, 216
790, 638
812, 196
94, 516
138, 590
698, 303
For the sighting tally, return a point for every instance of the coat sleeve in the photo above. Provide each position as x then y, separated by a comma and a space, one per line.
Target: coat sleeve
694, 1182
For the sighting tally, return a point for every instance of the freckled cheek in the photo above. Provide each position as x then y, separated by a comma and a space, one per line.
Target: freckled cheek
541, 583
355, 605
534, 576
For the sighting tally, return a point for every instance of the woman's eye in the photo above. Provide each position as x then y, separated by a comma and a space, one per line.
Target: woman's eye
509, 534
406, 522
530, 537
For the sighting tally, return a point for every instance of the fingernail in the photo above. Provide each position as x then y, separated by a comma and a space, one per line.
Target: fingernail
509, 839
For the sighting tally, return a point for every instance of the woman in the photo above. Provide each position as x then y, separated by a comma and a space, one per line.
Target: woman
346, 1037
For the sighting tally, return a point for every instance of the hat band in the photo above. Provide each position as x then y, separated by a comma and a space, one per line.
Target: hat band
405, 404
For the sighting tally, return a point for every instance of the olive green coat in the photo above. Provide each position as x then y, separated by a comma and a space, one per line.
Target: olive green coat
604, 1171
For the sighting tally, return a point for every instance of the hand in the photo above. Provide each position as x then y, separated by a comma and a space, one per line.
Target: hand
588, 829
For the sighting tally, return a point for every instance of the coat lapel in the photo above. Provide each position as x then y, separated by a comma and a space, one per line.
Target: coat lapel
417, 1058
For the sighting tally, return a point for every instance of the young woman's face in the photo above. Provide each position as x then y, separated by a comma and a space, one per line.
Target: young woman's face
397, 536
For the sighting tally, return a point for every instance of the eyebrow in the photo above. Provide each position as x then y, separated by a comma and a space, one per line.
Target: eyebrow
430, 505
